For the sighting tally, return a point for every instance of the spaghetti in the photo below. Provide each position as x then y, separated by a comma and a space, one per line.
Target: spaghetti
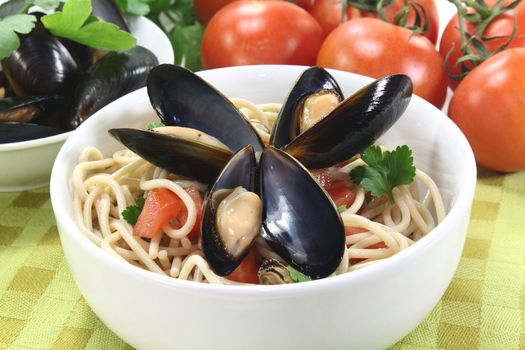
104, 187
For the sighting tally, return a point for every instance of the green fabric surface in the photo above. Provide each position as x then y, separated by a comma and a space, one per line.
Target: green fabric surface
483, 308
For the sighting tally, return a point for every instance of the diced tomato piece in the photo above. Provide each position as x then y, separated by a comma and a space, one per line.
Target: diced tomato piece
341, 194
194, 193
349, 230
246, 272
161, 206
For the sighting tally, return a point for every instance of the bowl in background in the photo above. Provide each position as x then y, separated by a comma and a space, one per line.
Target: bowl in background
370, 308
26, 165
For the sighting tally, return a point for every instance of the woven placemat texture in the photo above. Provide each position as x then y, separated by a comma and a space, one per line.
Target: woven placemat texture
483, 308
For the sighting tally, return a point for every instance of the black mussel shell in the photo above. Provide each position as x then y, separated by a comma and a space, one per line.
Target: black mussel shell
113, 76
16, 132
41, 65
300, 222
182, 98
21, 109
354, 124
240, 171
187, 158
108, 11
313, 80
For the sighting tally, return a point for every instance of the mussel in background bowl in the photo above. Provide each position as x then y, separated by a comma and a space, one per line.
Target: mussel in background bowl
27, 164
369, 308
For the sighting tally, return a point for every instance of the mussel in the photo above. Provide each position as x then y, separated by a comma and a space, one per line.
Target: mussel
300, 221
41, 65
21, 109
182, 98
232, 214
181, 155
354, 124
113, 76
314, 95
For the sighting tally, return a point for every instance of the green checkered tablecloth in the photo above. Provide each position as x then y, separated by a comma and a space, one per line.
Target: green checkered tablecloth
484, 306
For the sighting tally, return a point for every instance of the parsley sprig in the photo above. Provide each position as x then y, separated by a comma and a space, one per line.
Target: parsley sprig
385, 170
132, 212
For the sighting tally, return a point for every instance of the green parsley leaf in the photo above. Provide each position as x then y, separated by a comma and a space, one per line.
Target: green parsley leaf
186, 41
341, 208
11, 25
154, 125
76, 23
384, 171
132, 212
134, 7
297, 276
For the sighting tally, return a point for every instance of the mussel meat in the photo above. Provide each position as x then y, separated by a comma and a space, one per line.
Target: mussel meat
176, 152
182, 98
232, 214
22, 109
313, 96
354, 124
113, 76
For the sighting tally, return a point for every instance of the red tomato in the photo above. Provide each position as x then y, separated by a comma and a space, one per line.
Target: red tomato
197, 199
161, 206
500, 26
341, 194
246, 272
261, 32
376, 49
350, 230
488, 107
328, 13
205, 9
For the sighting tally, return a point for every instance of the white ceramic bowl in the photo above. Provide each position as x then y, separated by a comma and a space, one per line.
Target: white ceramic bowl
367, 309
26, 165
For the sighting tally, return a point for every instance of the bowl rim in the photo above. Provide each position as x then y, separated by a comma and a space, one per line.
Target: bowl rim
44, 141
460, 206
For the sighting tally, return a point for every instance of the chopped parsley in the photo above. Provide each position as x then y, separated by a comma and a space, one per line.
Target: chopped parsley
385, 170
154, 125
297, 276
132, 212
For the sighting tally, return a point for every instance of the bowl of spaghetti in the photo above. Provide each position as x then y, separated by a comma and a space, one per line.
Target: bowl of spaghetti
160, 292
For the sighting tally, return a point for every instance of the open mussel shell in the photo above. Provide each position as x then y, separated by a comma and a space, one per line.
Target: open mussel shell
113, 76
17, 132
239, 172
41, 65
182, 98
313, 81
180, 156
300, 222
354, 124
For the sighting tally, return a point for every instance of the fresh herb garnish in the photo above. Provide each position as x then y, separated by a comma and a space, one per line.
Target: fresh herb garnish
385, 170
341, 208
75, 22
154, 125
178, 20
297, 276
11, 25
134, 7
132, 212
